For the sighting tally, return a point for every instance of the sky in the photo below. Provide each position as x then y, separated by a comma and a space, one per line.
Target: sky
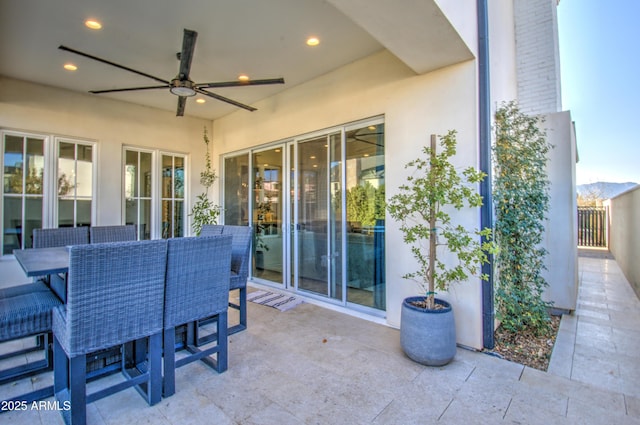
600, 67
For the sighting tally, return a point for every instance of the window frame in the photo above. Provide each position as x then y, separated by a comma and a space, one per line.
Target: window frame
156, 187
152, 198
185, 193
50, 178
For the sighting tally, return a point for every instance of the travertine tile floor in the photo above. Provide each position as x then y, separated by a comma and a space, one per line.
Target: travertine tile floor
311, 365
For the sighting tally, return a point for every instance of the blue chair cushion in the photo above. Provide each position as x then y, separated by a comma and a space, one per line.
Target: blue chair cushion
27, 288
26, 314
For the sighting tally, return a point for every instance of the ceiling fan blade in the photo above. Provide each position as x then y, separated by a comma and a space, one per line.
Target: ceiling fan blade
225, 99
86, 55
241, 83
128, 89
186, 55
182, 102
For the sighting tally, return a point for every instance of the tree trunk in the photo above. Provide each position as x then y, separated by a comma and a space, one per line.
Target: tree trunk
432, 237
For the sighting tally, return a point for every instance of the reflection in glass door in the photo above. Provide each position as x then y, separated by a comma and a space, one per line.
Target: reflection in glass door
316, 211
268, 213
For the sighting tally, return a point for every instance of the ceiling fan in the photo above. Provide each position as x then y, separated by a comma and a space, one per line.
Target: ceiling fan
181, 85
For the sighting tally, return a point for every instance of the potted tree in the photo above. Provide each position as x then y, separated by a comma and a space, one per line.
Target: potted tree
423, 206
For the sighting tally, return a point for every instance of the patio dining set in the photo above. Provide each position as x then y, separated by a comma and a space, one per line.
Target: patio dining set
99, 293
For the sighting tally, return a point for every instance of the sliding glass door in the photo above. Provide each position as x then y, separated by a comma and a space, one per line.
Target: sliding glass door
268, 213
324, 235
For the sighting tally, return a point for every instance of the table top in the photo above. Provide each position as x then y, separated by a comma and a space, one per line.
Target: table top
43, 261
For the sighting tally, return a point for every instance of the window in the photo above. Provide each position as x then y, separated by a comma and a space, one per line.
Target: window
47, 182
138, 189
172, 202
23, 189
154, 192
75, 183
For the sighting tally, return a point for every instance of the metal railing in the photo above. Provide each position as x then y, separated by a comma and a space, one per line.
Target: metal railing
592, 226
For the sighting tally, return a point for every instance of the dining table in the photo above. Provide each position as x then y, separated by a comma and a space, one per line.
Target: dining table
49, 264
43, 261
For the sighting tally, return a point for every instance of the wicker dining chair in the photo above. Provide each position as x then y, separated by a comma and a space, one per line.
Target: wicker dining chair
27, 288
197, 286
62, 236
115, 296
211, 229
25, 311
124, 233
240, 253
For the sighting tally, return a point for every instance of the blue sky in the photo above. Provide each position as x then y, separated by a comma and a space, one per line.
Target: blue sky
600, 65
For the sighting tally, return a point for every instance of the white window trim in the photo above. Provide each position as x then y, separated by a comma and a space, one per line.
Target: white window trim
186, 231
154, 172
156, 186
50, 189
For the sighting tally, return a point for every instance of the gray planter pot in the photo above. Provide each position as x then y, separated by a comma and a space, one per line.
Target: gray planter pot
428, 336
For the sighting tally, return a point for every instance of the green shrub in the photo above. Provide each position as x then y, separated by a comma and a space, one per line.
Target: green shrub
521, 197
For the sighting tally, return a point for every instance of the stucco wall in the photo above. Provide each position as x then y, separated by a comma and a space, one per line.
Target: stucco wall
50, 111
414, 106
624, 234
561, 231
502, 52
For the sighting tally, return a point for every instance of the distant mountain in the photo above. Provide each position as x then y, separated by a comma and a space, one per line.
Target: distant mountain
603, 190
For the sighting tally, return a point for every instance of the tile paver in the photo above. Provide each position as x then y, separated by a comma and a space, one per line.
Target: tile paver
316, 366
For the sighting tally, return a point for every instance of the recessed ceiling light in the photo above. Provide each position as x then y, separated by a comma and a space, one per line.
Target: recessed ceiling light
372, 127
70, 67
312, 157
366, 155
315, 165
313, 41
243, 77
200, 100
93, 24
277, 150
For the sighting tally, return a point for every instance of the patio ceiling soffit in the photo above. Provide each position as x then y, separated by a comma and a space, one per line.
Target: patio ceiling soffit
417, 32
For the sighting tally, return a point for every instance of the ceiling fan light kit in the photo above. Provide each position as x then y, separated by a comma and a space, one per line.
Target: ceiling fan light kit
181, 85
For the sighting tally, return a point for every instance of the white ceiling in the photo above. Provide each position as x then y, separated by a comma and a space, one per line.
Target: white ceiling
260, 38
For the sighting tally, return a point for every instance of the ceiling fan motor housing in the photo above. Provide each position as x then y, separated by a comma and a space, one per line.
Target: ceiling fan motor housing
182, 87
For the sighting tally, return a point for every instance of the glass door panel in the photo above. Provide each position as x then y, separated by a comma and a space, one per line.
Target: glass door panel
236, 190
365, 216
172, 202
268, 212
317, 258
23, 190
75, 184
137, 191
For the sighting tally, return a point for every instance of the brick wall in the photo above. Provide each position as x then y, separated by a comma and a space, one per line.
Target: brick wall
537, 56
